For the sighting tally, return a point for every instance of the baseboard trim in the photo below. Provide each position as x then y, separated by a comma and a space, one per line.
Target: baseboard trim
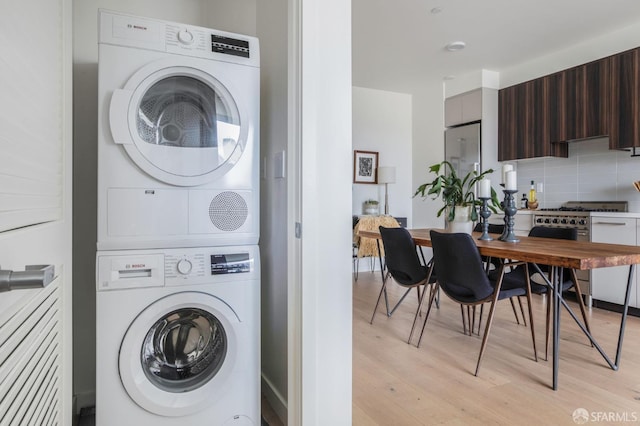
275, 398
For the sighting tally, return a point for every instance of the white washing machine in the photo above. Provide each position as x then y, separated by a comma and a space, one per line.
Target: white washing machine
178, 129
178, 337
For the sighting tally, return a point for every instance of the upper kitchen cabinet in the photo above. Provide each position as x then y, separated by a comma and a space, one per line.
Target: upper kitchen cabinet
463, 108
624, 121
600, 98
583, 101
527, 117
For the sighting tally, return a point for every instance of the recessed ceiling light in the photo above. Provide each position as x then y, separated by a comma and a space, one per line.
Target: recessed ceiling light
436, 10
455, 46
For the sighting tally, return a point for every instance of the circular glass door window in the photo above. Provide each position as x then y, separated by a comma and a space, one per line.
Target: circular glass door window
186, 112
183, 350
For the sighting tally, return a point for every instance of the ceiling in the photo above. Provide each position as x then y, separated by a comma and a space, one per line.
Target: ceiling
398, 45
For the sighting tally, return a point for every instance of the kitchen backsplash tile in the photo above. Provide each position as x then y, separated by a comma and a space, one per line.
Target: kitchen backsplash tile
592, 172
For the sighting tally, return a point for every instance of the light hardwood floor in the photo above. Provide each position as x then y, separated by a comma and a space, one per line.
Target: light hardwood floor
398, 384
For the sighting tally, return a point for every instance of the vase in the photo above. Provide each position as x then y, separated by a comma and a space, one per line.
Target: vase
370, 209
461, 221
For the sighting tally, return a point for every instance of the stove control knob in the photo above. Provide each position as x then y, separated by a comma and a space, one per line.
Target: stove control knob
539, 220
572, 222
184, 266
547, 221
555, 220
563, 221
582, 222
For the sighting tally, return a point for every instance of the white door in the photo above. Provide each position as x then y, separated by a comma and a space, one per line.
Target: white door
35, 210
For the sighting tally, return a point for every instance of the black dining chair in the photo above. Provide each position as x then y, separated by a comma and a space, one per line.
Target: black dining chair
568, 276
462, 277
404, 266
494, 263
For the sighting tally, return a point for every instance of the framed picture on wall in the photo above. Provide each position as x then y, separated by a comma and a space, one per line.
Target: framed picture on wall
365, 167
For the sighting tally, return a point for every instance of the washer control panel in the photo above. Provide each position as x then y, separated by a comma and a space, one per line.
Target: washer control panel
120, 270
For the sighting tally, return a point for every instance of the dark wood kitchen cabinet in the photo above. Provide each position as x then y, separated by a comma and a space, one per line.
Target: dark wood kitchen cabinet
527, 117
600, 98
624, 112
583, 101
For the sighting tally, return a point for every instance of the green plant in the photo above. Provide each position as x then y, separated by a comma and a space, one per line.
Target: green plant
374, 202
456, 191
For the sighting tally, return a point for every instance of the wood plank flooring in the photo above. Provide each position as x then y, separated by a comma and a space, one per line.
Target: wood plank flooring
398, 384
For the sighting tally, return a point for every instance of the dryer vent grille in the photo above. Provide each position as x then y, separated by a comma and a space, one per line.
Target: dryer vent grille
228, 211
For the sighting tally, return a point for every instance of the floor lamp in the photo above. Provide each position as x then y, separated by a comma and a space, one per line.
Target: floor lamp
386, 175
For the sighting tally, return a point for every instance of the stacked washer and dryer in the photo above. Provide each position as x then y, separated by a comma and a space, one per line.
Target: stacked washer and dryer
177, 267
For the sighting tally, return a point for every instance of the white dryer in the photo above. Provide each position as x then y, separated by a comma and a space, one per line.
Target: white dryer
178, 337
178, 130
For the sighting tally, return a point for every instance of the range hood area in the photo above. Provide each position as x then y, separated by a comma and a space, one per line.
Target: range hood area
634, 150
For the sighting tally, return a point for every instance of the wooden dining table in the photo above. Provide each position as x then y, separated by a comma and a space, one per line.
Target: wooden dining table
558, 254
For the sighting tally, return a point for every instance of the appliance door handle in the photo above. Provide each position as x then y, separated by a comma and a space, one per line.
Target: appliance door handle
610, 223
118, 116
583, 233
33, 276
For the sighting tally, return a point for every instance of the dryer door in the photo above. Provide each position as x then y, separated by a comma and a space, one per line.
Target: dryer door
180, 124
179, 354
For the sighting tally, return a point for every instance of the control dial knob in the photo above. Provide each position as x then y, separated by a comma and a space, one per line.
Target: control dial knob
185, 37
184, 266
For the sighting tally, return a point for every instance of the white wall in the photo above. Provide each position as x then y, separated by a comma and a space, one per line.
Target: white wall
326, 153
587, 51
427, 149
382, 122
85, 103
591, 173
237, 16
272, 31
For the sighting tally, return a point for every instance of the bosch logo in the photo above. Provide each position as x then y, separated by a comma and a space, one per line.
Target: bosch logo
136, 265
137, 27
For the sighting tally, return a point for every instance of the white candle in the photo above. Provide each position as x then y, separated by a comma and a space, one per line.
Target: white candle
484, 188
506, 168
511, 182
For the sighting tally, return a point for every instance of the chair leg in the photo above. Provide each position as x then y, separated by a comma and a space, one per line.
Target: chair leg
548, 327
515, 313
524, 320
480, 318
574, 277
432, 294
356, 266
486, 334
473, 319
384, 285
420, 302
533, 333
492, 310
464, 322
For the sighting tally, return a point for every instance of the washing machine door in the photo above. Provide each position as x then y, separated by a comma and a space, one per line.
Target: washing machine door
180, 124
179, 354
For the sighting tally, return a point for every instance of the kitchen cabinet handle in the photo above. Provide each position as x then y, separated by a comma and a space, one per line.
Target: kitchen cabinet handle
33, 276
610, 223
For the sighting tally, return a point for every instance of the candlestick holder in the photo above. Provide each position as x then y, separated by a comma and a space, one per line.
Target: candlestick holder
509, 211
484, 215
